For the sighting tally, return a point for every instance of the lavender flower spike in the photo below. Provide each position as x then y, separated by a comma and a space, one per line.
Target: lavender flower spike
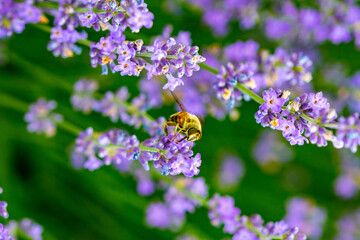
41, 119
116, 146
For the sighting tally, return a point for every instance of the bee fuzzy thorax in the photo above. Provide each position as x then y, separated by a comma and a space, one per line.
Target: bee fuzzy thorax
185, 123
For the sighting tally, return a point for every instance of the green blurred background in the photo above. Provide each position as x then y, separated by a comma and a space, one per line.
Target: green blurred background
39, 182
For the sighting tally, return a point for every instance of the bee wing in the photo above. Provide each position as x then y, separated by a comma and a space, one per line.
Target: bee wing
178, 101
201, 119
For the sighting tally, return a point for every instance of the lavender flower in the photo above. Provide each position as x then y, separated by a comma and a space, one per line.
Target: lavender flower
63, 42
293, 124
116, 146
218, 14
240, 51
145, 186
348, 226
176, 204
228, 78
4, 233
333, 20
83, 96
27, 227
3, 211
222, 211
31, 229
230, 172
41, 119
174, 157
158, 215
166, 56
349, 131
117, 16
346, 184
14, 16
306, 215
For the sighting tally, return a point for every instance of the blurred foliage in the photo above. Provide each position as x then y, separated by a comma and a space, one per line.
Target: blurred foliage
39, 182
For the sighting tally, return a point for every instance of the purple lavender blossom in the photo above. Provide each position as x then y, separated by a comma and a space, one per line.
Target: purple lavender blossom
274, 100
4, 233
145, 186
277, 28
41, 119
307, 216
228, 78
315, 106
230, 172
25, 227
175, 157
299, 69
117, 16
14, 16
116, 146
168, 58
83, 97
223, 211
31, 229
3, 211
349, 131
177, 204
346, 184
63, 42
244, 233
348, 226
158, 215
240, 51
3, 205
152, 89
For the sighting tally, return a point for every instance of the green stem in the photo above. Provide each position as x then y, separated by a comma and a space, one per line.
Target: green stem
251, 94
54, 5
67, 126
142, 148
12, 103
209, 68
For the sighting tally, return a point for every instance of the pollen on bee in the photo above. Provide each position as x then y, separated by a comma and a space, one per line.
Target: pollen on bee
105, 60
274, 122
44, 19
227, 94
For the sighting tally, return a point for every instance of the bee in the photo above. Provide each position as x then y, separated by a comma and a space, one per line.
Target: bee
188, 124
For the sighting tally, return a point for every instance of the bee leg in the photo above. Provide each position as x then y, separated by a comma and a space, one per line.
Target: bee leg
192, 144
176, 134
182, 139
169, 123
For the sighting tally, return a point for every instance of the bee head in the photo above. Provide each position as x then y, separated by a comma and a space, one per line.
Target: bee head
193, 134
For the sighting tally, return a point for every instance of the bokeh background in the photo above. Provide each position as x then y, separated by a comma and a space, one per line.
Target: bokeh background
40, 183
